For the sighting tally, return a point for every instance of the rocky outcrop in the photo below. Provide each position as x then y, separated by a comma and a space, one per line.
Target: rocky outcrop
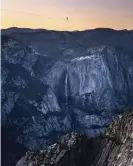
117, 148
71, 150
114, 148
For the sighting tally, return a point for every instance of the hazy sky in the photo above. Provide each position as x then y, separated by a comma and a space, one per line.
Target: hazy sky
82, 14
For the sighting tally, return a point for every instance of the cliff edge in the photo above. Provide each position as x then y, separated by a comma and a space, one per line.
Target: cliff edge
114, 148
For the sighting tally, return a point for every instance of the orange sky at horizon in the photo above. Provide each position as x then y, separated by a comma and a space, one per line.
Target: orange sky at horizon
52, 15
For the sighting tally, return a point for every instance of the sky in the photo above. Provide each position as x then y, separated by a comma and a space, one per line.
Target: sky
82, 14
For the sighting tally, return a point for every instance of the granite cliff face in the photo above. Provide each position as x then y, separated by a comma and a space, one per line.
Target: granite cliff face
58, 82
117, 148
114, 148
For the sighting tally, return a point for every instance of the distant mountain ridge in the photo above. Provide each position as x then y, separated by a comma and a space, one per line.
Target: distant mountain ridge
84, 39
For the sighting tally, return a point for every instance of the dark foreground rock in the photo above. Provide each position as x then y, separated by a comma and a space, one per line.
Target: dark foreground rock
114, 148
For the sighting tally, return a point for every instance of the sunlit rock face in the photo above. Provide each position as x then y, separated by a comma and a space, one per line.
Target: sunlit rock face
62, 88
101, 81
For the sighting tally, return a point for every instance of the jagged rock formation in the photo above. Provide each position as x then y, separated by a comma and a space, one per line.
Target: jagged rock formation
54, 83
115, 148
70, 150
